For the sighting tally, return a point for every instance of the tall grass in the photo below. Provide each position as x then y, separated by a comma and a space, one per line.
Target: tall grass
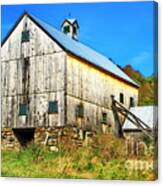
104, 158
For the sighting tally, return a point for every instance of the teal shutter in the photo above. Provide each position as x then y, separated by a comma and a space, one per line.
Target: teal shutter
104, 117
80, 111
23, 110
53, 107
25, 36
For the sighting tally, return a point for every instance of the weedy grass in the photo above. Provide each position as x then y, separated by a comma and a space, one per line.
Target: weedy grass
104, 158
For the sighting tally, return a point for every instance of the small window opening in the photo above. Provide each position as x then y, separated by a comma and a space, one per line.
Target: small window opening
74, 30
80, 111
132, 104
25, 36
24, 136
121, 98
53, 107
23, 110
26, 61
104, 117
66, 29
26, 25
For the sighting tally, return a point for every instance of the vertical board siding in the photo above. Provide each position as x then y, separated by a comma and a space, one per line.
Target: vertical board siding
35, 84
93, 88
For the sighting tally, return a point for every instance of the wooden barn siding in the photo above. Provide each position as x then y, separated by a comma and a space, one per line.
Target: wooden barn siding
93, 88
44, 79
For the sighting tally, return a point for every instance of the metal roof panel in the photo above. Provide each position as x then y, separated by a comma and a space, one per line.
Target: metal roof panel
148, 114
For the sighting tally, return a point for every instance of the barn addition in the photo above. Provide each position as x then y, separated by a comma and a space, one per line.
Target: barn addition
52, 83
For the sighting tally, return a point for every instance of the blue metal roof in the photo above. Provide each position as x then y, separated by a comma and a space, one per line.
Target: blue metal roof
82, 51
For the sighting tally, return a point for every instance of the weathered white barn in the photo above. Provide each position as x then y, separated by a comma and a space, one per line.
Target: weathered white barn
50, 79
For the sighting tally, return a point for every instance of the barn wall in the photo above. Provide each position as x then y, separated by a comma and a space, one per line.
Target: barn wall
44, 80
93, 88
37, 83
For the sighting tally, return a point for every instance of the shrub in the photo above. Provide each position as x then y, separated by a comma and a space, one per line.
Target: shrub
108, 147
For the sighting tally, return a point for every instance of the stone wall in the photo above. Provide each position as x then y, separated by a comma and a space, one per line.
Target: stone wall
52, 137
8, 139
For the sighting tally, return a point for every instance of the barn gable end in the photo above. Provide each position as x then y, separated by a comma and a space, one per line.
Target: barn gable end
33, 75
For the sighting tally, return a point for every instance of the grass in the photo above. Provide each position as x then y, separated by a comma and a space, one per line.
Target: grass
96, 161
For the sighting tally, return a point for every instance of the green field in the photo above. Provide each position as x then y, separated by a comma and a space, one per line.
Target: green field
104, 159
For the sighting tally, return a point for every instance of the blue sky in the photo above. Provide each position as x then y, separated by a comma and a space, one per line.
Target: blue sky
121, 31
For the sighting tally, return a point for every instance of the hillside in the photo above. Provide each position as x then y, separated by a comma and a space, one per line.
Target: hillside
147, 86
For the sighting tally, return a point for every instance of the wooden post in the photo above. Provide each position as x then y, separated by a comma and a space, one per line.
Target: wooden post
118, 126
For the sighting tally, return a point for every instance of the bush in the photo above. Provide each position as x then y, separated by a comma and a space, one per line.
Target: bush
108, 147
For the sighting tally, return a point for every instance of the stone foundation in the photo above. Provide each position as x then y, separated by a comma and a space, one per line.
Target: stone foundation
52, 137
9, 140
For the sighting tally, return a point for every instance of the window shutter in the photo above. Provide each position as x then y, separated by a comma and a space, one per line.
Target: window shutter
104, 117
23, 109
25, 36
53, 107
80, 111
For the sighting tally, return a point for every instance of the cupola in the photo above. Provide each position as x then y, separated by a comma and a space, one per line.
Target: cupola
70, 27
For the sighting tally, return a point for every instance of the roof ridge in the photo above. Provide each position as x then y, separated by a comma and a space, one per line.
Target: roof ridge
83, 51
79, 49
79, 42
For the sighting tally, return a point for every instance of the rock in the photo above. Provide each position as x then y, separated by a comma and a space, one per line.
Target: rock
75, 136
60, 133
9, 133
10, 145
11, 139
52, 141
54, 149
7, 130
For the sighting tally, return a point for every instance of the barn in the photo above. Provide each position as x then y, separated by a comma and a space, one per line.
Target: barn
52, 82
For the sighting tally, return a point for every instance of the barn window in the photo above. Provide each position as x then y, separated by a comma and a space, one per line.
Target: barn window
66, 29
132, 104
80, 111
53, 107
104, 117
121, 98
23, 110
25, 36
